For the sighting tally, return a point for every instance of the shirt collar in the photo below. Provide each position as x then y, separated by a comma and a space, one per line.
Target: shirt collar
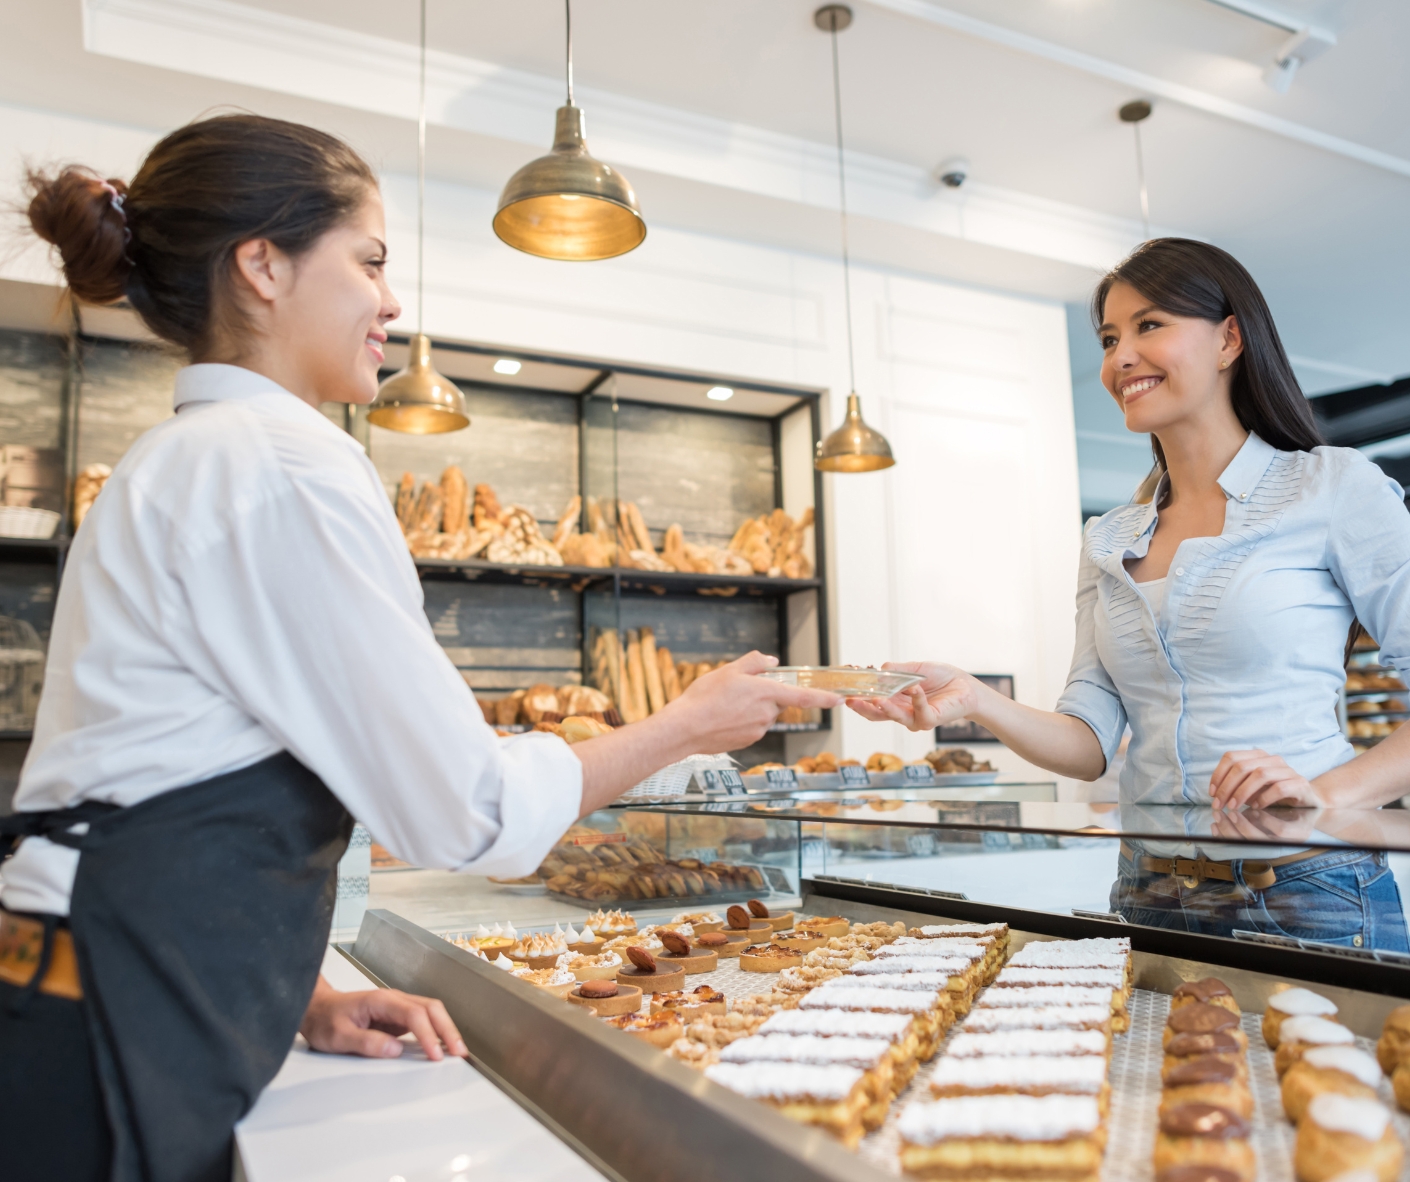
1246, 469
211, 382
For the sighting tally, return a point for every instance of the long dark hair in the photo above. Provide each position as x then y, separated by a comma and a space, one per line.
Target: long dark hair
165, 241
1188, 278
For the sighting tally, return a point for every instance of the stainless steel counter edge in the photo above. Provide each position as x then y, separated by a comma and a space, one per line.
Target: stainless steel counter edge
644, 1115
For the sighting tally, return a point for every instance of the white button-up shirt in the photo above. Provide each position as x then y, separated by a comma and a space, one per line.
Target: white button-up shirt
241, 588
1249, 646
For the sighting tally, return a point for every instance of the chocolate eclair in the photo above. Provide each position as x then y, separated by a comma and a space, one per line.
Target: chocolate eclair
1209, 991
1203, 1120
1201, 1018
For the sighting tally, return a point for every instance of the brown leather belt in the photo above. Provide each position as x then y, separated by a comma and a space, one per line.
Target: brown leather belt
1259, 875
21, 947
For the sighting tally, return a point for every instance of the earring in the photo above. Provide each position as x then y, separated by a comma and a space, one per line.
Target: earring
1223, 365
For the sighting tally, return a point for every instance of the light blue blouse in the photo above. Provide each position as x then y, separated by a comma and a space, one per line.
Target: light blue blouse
1249, 649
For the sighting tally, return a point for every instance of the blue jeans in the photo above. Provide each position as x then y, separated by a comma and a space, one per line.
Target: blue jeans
1346, 897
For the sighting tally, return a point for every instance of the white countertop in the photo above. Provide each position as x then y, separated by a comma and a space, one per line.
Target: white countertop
349, 1119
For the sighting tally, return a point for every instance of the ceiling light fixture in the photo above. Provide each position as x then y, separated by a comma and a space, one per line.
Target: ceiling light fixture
853, 447
417, 400
507, 365
1135, 113
566, 205
719, 393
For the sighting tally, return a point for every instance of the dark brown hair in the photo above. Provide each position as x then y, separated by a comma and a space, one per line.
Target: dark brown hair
204, 189
1188, 278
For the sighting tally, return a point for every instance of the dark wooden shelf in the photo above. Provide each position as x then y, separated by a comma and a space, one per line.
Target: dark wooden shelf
29, 548
631, 580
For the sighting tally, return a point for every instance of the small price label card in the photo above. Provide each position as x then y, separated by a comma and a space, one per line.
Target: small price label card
727, 781
781, 777
853, 776
919, 773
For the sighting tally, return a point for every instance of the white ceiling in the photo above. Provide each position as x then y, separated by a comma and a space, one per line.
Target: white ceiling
1327, 236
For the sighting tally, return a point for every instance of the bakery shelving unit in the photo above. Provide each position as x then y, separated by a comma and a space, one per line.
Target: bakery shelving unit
1375, 700
563, 428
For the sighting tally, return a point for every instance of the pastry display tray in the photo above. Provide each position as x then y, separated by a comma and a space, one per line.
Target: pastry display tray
716, 902
610, 1096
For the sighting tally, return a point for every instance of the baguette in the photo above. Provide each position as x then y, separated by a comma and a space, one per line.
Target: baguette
634, 709
685, 674
636, 523
651, 668
406, 501
670, 681
455, 498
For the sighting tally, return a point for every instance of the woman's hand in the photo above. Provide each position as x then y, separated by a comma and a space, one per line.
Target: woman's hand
367, 1023
732, 708
946, 695
1255, 779
1294, 826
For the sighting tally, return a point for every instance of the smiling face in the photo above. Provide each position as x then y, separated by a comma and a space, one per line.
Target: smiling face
1164, 369
336, 309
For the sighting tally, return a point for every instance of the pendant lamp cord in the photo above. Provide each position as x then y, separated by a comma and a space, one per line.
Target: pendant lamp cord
568, 28
421, 187
842, 196
1141, 179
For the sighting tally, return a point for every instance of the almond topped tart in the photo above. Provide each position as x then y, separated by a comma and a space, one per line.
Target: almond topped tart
679, 952
649, 974
723, 944
703, 999
779, 923
740, 921
769, 958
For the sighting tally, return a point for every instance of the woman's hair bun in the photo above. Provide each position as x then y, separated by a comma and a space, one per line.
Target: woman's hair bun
74, 210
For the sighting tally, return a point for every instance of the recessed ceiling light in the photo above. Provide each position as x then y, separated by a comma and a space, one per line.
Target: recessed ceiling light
719, 393
507, 365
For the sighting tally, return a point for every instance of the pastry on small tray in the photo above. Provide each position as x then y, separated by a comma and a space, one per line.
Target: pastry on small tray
606, 998
769, 958
648, 974
1293, 1003
660, 1030
679, 952
1339, 1135
703, 999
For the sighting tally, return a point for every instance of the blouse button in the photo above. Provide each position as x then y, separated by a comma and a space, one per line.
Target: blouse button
1243, 496
1179, 570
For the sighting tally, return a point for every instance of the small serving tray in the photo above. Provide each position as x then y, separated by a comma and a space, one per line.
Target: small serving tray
848, 680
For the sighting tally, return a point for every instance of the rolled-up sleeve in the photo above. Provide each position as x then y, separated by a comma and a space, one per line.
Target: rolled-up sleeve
308, 614
1090, 694
1368, 553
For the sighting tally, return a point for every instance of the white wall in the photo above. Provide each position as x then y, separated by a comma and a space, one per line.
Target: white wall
965, 551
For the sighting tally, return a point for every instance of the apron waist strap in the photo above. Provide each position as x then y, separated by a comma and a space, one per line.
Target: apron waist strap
1258, 874
53, 824
38, 956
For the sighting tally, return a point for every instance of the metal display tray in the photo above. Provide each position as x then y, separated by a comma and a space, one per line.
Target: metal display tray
611, 1097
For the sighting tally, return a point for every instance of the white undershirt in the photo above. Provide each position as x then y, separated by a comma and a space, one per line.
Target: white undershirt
241, 588
1154, 591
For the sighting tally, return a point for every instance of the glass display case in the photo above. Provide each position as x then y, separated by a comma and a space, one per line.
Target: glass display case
1260, 901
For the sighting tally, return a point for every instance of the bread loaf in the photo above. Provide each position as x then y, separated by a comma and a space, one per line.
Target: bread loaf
487, 509
568, 523
635, 707
651, 668
670, 680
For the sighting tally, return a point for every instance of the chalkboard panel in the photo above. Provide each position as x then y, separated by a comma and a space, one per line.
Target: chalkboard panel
507, 637
126, 389
524, 445
31, 384
27, 591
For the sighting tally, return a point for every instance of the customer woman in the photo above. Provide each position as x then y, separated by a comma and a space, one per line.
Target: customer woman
240, 664
1213, 615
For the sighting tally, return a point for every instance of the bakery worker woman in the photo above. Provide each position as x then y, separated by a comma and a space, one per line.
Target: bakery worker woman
240, 664
1214, 615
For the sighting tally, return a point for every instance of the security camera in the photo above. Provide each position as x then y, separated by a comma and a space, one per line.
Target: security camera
953, 173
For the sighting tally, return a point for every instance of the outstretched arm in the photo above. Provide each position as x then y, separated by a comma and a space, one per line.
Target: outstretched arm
1061, 743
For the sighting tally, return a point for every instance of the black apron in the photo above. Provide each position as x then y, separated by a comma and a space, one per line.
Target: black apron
199, 919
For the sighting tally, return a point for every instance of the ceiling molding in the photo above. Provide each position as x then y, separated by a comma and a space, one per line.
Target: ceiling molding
1144, 84
236, 43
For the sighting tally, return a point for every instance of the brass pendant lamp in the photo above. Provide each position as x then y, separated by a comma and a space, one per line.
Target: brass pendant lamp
417, 400
566, 205
854, 446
